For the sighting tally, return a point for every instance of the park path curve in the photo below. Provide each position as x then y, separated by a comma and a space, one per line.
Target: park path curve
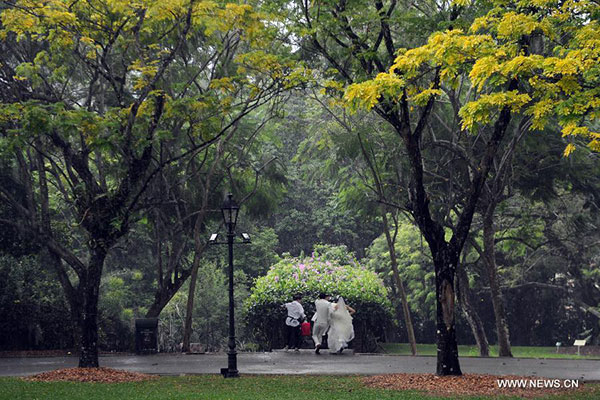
308, 363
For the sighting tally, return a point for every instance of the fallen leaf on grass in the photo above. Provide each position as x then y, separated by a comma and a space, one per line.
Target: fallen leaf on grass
102, 375
468, 384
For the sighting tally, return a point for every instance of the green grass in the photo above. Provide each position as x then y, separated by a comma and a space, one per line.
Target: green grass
473, 351
215, 387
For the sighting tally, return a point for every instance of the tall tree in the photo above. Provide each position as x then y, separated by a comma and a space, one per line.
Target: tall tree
495, 60
465, 300
90, 90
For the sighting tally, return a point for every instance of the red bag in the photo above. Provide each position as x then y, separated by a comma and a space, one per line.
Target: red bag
305, 328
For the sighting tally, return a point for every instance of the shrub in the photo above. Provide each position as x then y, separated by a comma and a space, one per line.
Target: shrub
362, 289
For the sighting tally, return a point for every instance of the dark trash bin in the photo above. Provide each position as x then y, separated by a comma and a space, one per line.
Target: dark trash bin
146, 335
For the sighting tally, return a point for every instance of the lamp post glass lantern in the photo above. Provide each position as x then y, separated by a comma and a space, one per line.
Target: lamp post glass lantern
230, 210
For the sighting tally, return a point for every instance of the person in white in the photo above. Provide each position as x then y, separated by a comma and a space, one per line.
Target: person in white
295, 315
323, 308
341, 330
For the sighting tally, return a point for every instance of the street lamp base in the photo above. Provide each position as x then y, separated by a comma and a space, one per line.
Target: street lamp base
227, 373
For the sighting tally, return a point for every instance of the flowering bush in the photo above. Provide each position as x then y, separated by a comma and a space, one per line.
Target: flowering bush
362, 289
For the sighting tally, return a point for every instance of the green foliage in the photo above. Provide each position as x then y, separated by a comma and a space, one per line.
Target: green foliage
317, 207
546, 50
34, 311
312, 275
209, 316
414, 265
118, 307
211, 307
360, 287
172, 319
255, 258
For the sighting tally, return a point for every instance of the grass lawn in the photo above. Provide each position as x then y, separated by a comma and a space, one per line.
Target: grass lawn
216, 387
473, 351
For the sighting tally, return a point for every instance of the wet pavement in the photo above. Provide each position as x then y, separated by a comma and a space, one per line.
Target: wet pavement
307, 363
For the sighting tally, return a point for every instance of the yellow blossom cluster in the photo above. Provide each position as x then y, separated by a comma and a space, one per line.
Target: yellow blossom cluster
549, 50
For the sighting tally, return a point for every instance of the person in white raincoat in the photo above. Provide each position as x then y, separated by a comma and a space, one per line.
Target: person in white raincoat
341, 330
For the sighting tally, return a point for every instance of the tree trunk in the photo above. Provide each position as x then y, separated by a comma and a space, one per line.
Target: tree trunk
72, 295
489, 255
165, 293
447, 349
393, 335
463, 294
398, 281
187, 326
445, 258
88, 358
445, 255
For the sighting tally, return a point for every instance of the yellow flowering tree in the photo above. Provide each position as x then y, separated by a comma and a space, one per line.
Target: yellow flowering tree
536, 58
94, 92
531, 61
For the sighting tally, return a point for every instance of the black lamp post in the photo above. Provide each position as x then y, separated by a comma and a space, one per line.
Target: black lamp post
230, 211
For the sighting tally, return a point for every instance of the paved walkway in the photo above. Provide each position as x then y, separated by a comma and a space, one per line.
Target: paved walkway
306, 362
